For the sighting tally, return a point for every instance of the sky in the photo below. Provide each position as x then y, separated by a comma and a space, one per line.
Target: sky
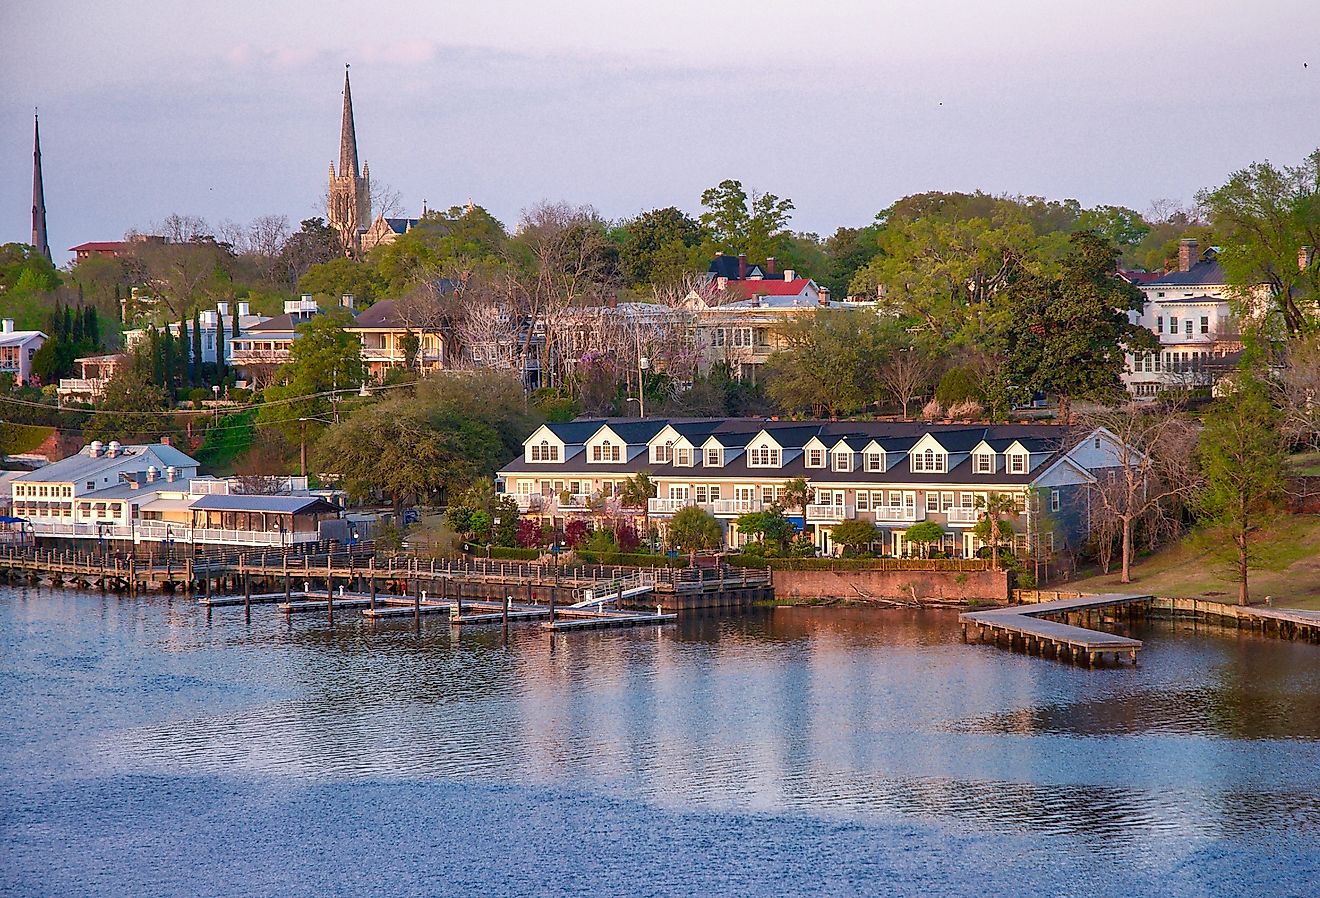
231, 110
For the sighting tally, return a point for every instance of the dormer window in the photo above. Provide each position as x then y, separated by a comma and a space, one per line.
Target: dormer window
545, 451
983, 463
605, 451
1017, 463
815, 458
875, 461
764, 457
664, 452
683, 458
714, 458
930, 462
843, 461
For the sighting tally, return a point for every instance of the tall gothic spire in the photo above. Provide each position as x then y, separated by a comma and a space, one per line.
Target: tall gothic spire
348, 158
39, 239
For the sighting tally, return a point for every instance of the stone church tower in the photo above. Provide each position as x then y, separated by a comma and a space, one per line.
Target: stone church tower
348, 209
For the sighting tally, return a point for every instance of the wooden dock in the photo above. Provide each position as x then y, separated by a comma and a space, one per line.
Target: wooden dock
1034, 629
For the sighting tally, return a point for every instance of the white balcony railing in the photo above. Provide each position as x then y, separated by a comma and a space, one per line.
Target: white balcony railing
964, 517
735, 507
667, 506
87, 529
898, 514
91, 386
529, 501
830, 513
574, 502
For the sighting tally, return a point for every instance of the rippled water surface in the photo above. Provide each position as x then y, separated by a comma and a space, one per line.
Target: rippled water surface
146, 749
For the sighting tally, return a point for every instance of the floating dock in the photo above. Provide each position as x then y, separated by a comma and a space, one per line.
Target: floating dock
1031, 628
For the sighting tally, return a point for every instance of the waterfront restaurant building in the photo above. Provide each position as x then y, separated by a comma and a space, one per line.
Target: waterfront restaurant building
891, 473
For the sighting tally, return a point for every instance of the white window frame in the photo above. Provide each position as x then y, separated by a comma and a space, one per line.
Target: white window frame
983, 463
843, 462
714, 458
875, 462
1018, 463
1055, 500
815, 458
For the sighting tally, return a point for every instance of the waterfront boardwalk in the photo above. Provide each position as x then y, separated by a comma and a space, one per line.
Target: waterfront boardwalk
1031, 628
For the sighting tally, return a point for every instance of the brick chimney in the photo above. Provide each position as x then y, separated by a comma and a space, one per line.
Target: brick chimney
1305, 257
612, 301
770, 263
742, 266
1187, 253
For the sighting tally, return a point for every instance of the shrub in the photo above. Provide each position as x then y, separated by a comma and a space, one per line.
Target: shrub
932, 410
198, 395
576, 534
625, 535
529, 533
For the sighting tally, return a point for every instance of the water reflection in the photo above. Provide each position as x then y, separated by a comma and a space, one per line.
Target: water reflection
836, 713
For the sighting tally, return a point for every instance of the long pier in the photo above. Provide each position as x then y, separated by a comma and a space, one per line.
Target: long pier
1031, 627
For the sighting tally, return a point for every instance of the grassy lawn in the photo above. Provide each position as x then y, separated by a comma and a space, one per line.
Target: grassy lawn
1304, 463
27, 437
1287, 567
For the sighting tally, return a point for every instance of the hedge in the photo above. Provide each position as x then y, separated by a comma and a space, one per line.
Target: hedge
860, 564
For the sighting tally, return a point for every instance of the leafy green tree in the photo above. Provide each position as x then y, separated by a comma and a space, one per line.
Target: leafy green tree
1067, 334
132, 408
1263, 216
1118, 225
923, 534
694, 529
769, 527
342, 275
856, 535
313, 243
442, 244
829, 362
322, 358
796, 495
657, 246
959, 384
1243, 459
407, 451
736, 222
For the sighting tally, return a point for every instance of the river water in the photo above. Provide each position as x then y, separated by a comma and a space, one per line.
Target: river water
146, 749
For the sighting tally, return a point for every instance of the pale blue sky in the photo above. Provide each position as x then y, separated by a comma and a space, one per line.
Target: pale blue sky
231, 110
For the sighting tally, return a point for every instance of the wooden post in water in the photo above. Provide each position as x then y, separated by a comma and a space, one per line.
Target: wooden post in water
247, 592
553, 596
507, 601
417, 604
329, 595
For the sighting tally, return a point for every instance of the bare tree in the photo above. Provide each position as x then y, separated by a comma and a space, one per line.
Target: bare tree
385, 200
1297, 392
906, 376
178, 228
1152, 470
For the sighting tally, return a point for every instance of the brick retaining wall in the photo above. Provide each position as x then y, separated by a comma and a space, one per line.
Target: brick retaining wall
983, 585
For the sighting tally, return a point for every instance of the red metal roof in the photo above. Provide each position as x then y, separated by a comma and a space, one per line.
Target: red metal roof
99, 246
795, 287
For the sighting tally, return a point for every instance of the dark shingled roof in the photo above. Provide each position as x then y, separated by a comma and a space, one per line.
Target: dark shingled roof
1207, 271
727, 267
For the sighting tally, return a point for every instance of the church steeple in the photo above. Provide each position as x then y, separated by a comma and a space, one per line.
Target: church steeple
39, 239
348, 203
348, 158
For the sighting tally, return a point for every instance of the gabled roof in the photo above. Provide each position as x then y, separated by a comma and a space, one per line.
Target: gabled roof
725, 266
78, 467
634, 432
749, 288
575, 433
401, 225
278, 324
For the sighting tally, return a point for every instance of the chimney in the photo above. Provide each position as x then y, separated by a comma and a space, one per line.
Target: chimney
222, 309
722, 283
7, 325
742, 266
823, 298
1187, 254
347, 301
612, 301
243, 310
790, 274
94, 450
770, 263
112, 451
170, 471
152, 473
1305, 257
165, 441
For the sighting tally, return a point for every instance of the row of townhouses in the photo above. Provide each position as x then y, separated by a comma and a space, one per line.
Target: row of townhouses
151, 494
894, 474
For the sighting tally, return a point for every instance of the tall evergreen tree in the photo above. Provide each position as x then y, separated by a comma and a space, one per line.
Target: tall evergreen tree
185, 354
